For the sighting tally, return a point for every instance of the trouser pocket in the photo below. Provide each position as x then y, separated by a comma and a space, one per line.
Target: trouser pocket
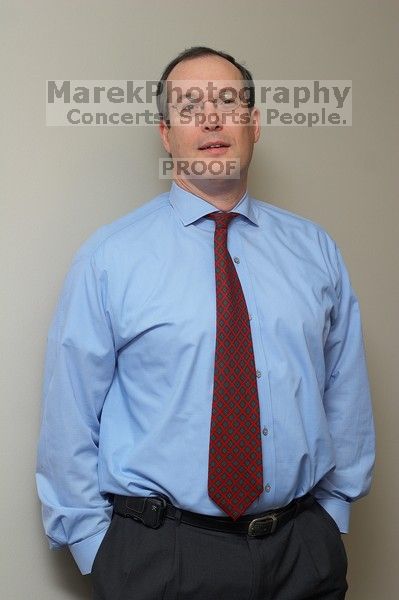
134, 562
321, 540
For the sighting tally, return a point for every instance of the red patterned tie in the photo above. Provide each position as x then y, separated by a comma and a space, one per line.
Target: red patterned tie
235, 475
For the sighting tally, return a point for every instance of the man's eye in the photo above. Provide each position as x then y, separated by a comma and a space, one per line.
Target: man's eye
228, 100
188, 108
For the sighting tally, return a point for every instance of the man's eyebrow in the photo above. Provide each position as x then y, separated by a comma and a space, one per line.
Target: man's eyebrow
178, 96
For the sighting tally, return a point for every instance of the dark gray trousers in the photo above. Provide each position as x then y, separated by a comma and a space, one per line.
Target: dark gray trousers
303, 560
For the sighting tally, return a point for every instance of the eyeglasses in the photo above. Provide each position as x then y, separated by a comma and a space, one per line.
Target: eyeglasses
191, 106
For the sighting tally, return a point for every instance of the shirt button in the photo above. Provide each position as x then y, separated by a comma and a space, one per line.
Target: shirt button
258, 374
236, 259
265, 431
268, 487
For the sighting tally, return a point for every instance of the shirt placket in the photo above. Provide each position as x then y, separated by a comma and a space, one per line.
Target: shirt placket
236, 247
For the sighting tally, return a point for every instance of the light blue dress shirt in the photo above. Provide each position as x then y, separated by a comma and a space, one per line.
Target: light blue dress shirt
130, 358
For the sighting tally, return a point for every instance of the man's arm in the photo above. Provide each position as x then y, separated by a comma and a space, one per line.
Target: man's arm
79, 368
348, 406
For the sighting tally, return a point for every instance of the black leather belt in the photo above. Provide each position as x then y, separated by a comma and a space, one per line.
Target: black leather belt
152, 511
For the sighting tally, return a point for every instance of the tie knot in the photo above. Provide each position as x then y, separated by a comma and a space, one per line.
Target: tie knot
222, 219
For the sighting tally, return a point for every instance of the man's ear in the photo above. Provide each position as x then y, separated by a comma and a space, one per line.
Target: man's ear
255, 120
164, 130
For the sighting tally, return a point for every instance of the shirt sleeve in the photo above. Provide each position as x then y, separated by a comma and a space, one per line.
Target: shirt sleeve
348, 406
79, 367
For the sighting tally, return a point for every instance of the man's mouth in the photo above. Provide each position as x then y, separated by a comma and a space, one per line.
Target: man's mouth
216, 147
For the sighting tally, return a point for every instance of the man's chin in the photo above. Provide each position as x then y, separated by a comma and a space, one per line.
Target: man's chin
207, 168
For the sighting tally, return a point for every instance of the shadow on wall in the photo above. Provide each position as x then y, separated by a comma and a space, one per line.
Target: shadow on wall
67, 577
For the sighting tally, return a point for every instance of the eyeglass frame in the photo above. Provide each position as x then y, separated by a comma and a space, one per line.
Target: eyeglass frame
218, 104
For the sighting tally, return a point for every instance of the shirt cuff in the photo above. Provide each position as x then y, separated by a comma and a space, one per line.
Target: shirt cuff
339, 510
84, 552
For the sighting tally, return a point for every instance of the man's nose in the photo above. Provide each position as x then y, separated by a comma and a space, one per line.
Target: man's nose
212, 121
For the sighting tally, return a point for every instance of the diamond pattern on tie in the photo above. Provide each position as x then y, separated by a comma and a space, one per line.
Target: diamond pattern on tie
235, 471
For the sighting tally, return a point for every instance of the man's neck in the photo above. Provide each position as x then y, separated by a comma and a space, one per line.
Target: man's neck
221, 193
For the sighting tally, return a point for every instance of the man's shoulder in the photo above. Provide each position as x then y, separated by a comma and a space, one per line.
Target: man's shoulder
270, 213
302, 235
115, 232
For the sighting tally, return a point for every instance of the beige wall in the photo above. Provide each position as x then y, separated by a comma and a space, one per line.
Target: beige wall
59, 184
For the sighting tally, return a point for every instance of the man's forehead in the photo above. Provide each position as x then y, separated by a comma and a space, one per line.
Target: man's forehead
208, 84
208, 89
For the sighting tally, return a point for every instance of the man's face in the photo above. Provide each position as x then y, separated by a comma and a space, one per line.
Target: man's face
192, 138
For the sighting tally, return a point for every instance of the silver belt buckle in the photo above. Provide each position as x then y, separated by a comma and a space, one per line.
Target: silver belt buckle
255, 526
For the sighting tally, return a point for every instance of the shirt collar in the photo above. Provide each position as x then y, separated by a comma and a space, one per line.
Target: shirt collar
190, 207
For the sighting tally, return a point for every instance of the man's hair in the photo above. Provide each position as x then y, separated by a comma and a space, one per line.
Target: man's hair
196, 52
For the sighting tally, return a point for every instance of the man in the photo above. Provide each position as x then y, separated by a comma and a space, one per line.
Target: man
206, 385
